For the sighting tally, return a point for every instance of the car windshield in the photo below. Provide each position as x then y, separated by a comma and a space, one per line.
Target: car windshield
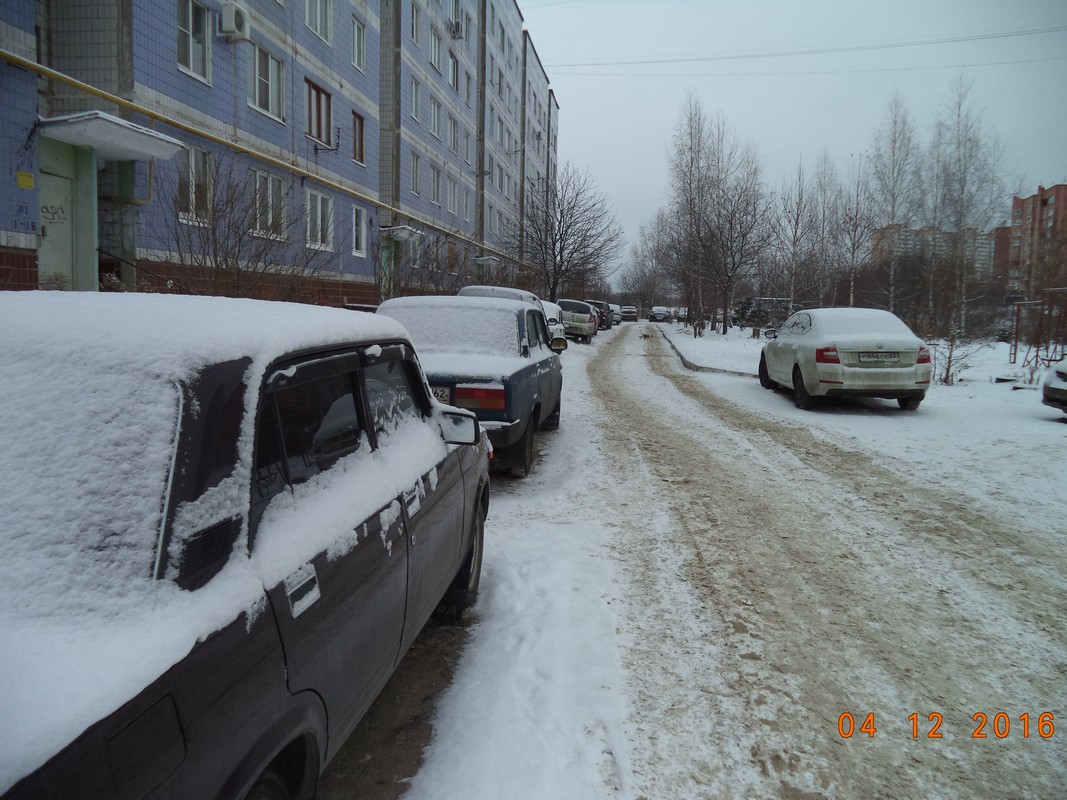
459, 329
574, 306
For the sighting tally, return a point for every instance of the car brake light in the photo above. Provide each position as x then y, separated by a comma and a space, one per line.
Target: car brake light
924, 355
485, 399
827, 355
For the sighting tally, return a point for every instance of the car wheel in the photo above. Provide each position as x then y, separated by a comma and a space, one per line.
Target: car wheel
909, 403
551, 422
801, 398
269, 786
522, 469
764, 378
463, 590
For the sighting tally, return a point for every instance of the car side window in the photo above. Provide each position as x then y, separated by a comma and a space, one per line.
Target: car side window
535, 333
390, 394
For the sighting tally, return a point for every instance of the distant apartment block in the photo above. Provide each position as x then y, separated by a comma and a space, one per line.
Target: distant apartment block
1035, 222
328, 143
899, 242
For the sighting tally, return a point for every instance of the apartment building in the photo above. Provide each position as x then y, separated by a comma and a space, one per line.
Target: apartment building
932, 243
309, 149
1036, 221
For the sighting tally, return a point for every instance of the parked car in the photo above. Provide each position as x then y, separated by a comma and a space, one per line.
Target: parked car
846, 352
507, 292
228, 522
604, 312
616, 313
629, 314
554, 319
1054, 387
580, 319
659, 314
491, 356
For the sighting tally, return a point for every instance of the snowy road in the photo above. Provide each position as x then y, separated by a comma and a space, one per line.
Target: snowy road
690, 592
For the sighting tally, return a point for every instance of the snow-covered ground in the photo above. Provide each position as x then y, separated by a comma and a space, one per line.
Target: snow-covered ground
699, 580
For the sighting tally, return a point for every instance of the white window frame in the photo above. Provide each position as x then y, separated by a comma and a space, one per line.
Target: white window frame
435, 117
435, 49
317, 17
195, 206
359, 45
453, 71
416, 160
198, 19
274, 81
318, 210
269, 205
416, 24
435, 185
416, 92
453, 134
359, 232
453, 195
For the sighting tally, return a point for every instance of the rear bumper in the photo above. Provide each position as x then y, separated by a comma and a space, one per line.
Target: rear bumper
503, 434
836, 380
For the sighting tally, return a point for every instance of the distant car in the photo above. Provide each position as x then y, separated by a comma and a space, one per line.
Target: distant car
659, 314
207, 558
846, 352
580, 319
554, 318
629, 314
494, 357
1054, 387
604, 312
616, 313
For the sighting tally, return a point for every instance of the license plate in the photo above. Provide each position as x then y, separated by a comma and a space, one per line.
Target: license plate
442, 394
879, 358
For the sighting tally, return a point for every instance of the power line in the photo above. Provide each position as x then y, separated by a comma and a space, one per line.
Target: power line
815, 50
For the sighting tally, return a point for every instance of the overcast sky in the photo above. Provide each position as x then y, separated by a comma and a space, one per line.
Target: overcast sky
795, 78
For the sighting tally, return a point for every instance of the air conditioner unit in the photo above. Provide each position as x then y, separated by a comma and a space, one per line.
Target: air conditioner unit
457, 29
234, 23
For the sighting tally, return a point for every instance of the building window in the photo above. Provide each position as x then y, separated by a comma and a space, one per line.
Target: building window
319, 221
467, 146
357, 138
453, 71
193, 38
194, 185
453, 196
359, 44
416, 22
416, 92
359, 231
269, 211
319, 118
435, 49
453, 134
317, 17
470, 88
415, 162
435, 117
435, 185
268, 81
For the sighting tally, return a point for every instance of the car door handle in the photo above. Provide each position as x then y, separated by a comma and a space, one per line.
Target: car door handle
302, 589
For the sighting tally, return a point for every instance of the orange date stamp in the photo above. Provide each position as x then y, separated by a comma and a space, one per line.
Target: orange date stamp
982, 725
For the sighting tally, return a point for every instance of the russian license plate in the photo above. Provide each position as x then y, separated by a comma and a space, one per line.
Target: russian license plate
442, 394
879, 358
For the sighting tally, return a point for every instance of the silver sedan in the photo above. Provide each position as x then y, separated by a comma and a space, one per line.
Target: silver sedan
847, 352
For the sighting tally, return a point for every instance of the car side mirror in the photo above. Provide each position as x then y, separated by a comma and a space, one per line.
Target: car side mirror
558, 344
771, 333
459, 426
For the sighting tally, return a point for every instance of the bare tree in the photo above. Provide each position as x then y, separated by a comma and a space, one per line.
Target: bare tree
569, 235
826, 251
794, 228
642, 278
239, 232
856, 222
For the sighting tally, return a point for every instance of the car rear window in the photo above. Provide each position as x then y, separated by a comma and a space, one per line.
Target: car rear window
459, 329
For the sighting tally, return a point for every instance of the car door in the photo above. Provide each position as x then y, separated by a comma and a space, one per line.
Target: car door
433, 506
547, 363
338, 552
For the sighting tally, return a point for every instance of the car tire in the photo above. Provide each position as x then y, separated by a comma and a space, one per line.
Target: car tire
269, 786
765, 378
909, 403
463, 591
525, 447
801, 398
551, 422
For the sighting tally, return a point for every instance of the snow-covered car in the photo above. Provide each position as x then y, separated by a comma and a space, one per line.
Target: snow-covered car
579, 319
554, 319
494, 357
207, 568
846, 352
616, 313
604, 312
1054, 387
629, 314
659, 314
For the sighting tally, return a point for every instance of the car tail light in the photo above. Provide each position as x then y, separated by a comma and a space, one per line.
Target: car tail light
827, 355
477, 398
924, 355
